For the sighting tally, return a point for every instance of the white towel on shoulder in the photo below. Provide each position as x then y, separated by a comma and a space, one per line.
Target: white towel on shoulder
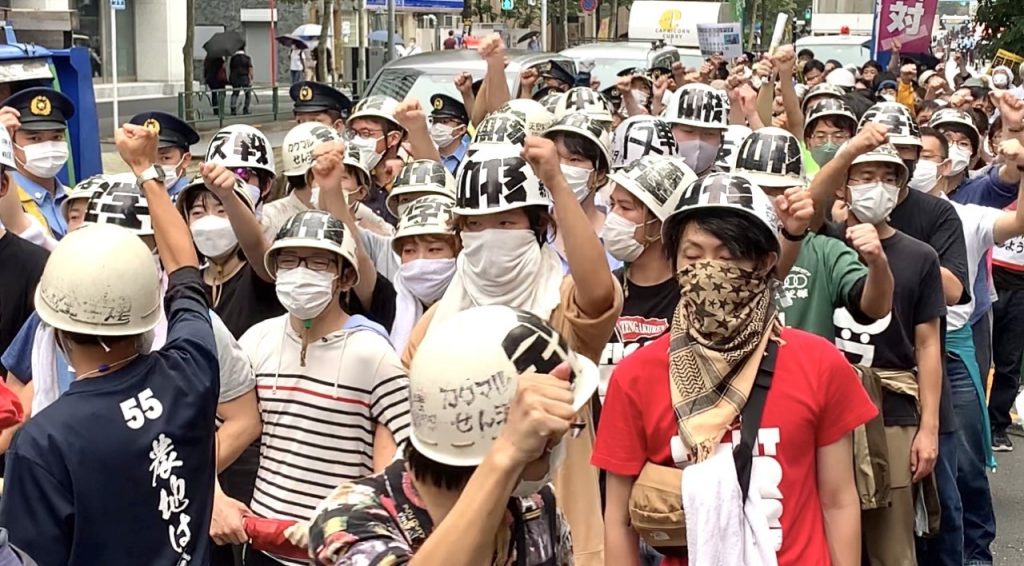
720, 529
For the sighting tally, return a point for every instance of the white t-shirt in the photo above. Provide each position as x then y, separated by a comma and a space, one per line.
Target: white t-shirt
380, 251
295, 60
276, 213
319, 419
978, 222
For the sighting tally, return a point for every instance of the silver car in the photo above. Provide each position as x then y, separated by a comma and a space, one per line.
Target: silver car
610, 57
425, 74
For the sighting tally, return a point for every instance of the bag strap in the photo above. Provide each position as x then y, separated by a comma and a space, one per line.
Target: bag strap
743, 453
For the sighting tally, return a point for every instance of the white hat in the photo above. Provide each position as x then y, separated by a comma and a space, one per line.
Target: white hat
534, 115
241, 146
466, 372
594, 130
121, 203
299, 143
498, 129
421, 176
731, 142
698, 105
656, 180
313, 229
903, 129
641, 135
771, 157
497, 179
198, 184
84, 190
584, 100
429, 215
885, 153
100, 280
841, 77
724, 191
376, 106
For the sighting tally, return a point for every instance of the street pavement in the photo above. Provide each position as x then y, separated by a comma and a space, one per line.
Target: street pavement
1007, 485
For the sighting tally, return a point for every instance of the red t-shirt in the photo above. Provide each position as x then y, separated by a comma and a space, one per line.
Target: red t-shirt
814, 400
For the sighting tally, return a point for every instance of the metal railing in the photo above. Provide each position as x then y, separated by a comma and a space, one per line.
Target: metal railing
215, 106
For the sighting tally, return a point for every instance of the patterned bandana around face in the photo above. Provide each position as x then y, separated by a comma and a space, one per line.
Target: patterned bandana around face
725, 315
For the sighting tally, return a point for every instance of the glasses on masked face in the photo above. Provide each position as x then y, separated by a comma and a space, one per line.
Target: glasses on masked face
365, 134
313, 263
837, 138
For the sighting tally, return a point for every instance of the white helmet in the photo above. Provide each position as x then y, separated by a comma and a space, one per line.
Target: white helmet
771, 157
584, 100
100, 280
299, 143
724, 191
657, 180
354, 158
731, 142
534, 115
497, 179
121, 203
421, 176
376, 106
834, 108
641, 135
313, 229
241, 146
429, 215
819, 91
841, 77
594, 130
698, 105
551, 100
466, 372
957, 120
83, 191
903, 129
498, 128
885, 153
7, 150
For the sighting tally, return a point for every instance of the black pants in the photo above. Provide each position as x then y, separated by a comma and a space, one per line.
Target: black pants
237, 482
247, 89
256, 558
1007, 346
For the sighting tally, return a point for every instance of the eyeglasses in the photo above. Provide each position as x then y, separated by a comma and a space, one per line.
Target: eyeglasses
835, 137
962, 144
313, 263
350, 135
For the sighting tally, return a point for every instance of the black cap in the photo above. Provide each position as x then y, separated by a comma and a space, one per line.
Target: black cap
41, 108
311, 96
613, 95
544, 91
555, 70
171, 130
447, 107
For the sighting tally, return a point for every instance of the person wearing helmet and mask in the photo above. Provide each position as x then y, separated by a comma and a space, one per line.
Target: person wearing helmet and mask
639, 136
830, 124
248, 154
134, 426
886, 91
699, 115
373, 128
176, 139
504, 220
471, 495
297, 156
448, 130
583, 148
722, 243
333, 393
825, 273
316, 102
40, 153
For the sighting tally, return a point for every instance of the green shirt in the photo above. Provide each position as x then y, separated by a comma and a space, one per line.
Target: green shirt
810, 165
824, 276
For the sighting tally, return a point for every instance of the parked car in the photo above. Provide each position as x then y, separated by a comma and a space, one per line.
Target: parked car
423, 75
610, 57
847, 49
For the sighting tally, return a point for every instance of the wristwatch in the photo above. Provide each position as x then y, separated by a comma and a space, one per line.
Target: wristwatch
151, 173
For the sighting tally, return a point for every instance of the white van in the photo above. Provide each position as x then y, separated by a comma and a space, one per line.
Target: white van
675, 23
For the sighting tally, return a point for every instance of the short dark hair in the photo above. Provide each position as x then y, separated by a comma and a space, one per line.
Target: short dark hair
805, 53
580, 145
738, 232
932, 132
979, 92
980, 121
812, 65
451, 32
840, 122
296, 182
441, 476
996, 127
542, 223
835, 64
871, 64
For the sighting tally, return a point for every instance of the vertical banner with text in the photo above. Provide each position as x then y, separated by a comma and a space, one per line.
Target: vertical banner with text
908, 22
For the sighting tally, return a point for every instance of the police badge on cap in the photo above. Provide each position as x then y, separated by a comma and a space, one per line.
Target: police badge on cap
41, 108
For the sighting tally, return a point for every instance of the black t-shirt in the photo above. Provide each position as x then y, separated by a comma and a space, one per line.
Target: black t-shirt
120, 468
238, 73
376, 200
245, 299
935, 222
24, 263
889, 343
1007, 279
382, 303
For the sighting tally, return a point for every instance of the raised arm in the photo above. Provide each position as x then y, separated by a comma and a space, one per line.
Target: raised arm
250, 235
785, 61
464, 84
411, 116
1011, 224
832, 176
137, 146
795, 209
492, 50
876, 298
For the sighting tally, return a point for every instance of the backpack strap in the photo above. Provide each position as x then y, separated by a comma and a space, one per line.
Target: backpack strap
743, 452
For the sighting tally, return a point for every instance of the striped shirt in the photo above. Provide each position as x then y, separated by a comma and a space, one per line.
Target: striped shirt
319, 420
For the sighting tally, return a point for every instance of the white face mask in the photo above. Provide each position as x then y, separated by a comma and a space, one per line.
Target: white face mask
960, 158
618, 236
213, 235
427, 279
873, 202
926, 175
368, 150
698, 155
45, 159
639, 96
171, 173
304, 293
527, 488
1000, 81
442, 134
500, 266
577, 178
889, 97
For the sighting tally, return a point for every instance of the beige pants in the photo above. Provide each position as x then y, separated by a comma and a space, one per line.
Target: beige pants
579, 497
889, 533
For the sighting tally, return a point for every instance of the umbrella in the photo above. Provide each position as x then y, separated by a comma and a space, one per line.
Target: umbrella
382, 36
307, 30
289, 40
528, 36
224, 44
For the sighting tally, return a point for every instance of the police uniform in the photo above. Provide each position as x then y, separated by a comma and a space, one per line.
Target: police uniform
313, 97
171, 132
445, 106
42, 109
556, 71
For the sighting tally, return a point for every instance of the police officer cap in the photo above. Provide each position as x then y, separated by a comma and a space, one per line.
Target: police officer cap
544, 91
556, 71
447, 107
171, 131
41, 108
311, 96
